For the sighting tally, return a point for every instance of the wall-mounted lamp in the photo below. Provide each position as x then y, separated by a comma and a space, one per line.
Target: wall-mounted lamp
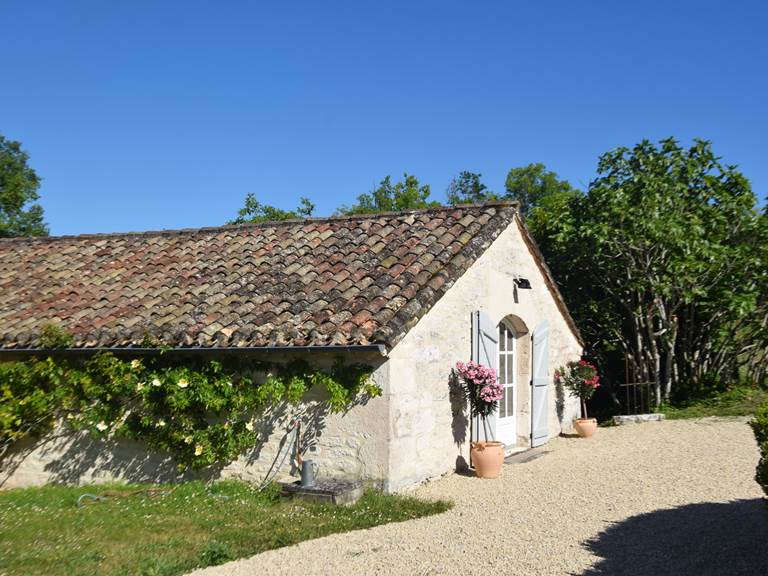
523, 283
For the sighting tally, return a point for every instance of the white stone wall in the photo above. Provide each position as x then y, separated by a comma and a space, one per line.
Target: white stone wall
351, 445
427, 439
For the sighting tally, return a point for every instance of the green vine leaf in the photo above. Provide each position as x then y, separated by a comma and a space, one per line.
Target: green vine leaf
198, 410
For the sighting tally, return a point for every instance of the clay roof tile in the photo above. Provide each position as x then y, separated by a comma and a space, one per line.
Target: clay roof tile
344, 280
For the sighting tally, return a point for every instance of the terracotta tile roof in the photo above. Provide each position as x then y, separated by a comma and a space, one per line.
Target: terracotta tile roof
338, 281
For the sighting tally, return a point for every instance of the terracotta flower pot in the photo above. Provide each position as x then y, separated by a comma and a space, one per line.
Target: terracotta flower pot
585, 427
487, 458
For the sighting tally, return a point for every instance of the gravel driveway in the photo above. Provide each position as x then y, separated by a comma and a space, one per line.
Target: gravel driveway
675, 497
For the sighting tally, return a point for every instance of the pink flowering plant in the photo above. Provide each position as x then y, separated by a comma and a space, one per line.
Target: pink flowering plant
581, 380
481, 389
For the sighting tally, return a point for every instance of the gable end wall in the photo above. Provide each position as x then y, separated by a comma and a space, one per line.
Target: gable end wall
428, 436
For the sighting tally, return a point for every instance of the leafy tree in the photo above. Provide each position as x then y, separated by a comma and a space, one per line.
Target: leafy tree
407, 194
20, 215
467, 188
533, 184
552, 216
255, 211
664, 262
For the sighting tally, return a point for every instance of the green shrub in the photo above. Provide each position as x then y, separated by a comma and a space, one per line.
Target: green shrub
760, 427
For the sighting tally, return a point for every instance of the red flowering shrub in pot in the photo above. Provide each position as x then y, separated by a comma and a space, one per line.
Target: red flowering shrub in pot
581, 380
482, 390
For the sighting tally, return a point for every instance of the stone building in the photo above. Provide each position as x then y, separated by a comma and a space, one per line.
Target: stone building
408, 293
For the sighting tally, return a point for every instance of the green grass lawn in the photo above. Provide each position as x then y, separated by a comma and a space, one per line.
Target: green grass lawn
738, 401
189, 526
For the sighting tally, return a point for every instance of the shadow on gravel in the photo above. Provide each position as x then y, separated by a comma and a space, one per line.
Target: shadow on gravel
698, 539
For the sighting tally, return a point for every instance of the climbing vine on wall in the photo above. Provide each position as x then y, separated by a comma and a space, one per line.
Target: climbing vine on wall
199, 410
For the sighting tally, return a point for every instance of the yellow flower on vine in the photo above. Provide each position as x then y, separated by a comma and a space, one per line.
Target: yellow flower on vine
161, 423
187, 439
182, 383
156, 382
249, 426
198, 450
101, 426
135, 364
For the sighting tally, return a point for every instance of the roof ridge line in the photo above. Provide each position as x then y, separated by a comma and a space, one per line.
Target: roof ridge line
265, 224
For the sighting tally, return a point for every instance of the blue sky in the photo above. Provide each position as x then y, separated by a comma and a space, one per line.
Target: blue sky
148, 115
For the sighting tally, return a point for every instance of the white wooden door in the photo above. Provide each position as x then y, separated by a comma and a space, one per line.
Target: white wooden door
506, 366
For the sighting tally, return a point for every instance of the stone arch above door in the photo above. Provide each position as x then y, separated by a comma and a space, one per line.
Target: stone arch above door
523, 392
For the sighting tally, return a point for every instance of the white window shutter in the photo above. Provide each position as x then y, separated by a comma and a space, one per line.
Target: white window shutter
485, 342
540, 386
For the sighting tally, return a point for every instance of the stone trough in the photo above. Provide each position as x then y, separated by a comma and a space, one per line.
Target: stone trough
326, 491
637, 418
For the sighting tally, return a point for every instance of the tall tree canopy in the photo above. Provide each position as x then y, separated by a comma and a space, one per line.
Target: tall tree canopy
533, 184
255, 211
664, 263
20, 214
407, 194
468, 188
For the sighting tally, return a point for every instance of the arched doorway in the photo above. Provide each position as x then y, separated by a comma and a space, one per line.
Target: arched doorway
513, 367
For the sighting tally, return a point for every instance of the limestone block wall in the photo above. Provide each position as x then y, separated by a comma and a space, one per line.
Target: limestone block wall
352, 445
429, 434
